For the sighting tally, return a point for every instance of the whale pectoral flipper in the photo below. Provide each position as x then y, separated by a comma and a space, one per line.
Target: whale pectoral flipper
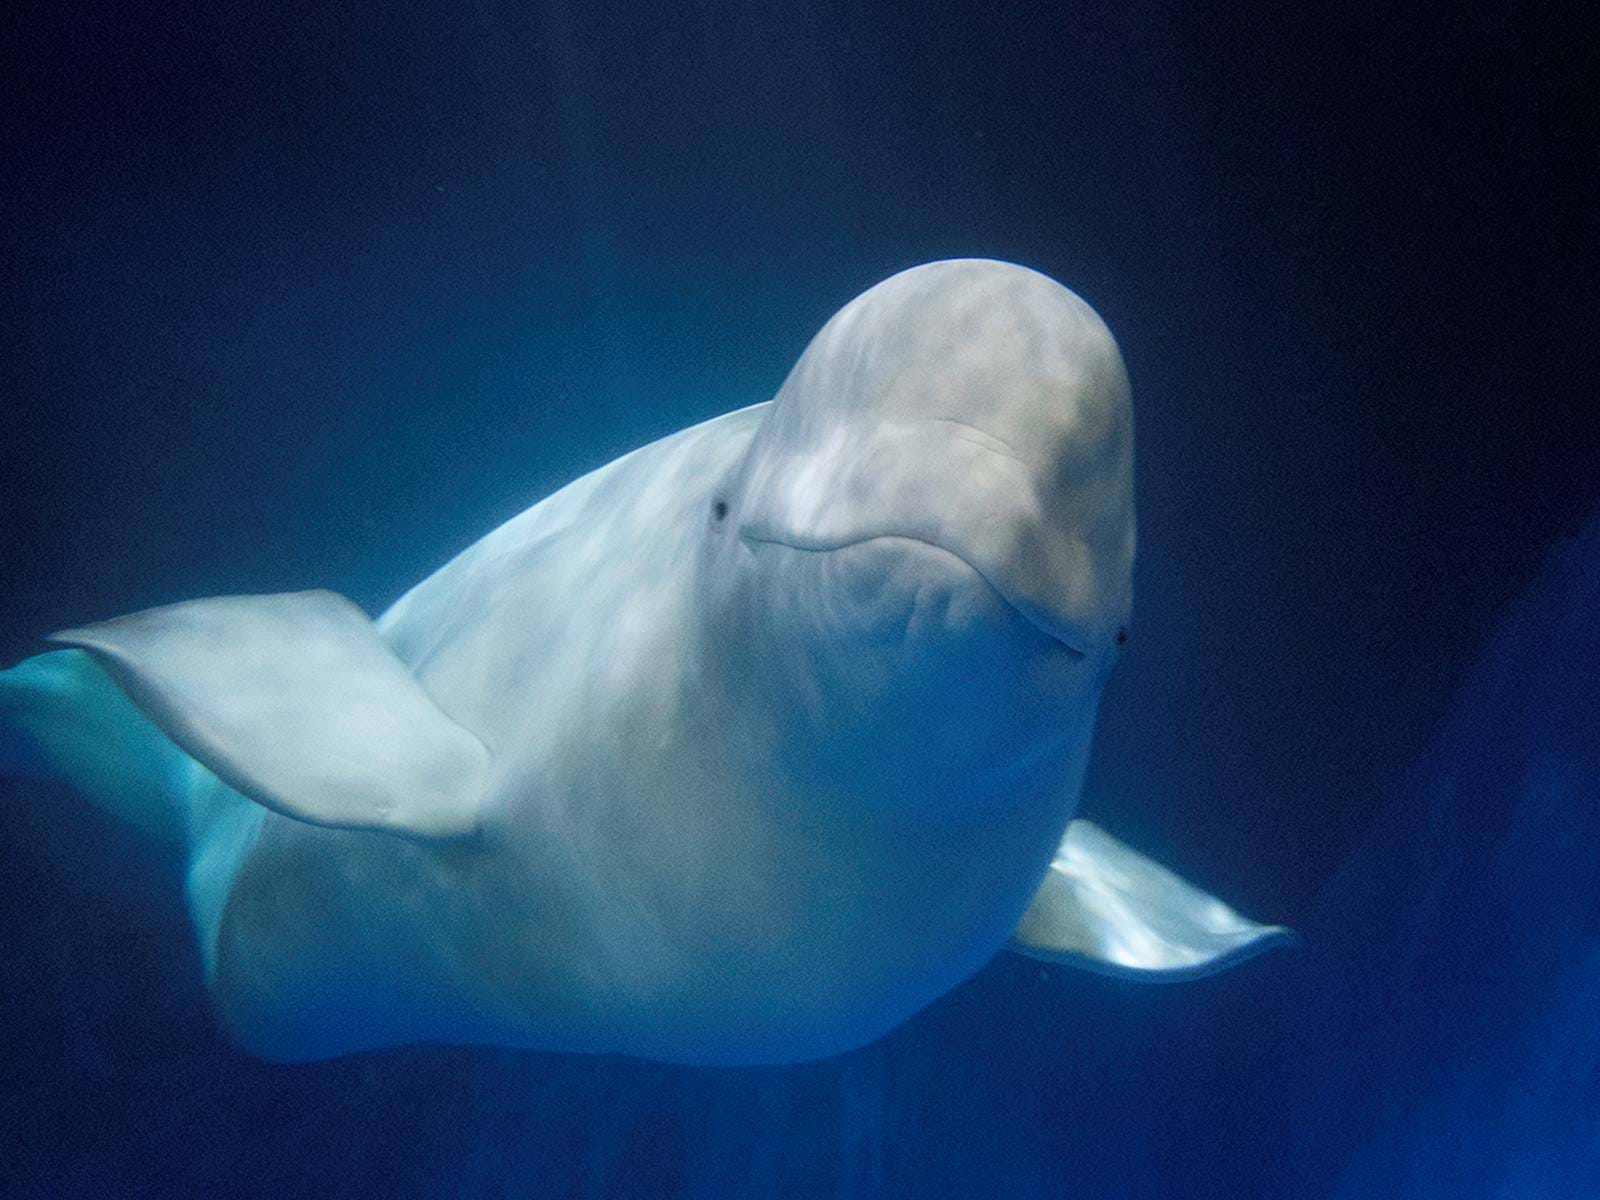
1105, 907
296, 702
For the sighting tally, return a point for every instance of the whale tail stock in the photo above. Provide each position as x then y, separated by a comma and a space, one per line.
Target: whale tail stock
62, 718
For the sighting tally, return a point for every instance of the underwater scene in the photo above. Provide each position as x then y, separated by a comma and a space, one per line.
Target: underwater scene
800, 601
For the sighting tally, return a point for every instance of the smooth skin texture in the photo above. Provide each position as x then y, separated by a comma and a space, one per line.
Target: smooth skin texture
740, 749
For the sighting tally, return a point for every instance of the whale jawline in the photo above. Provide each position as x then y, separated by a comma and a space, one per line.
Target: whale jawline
829, 547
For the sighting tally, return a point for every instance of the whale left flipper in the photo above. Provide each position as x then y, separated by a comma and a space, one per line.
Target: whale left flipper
1105, 907
295, 701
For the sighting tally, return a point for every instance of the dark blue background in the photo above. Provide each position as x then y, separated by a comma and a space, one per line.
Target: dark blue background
313, 298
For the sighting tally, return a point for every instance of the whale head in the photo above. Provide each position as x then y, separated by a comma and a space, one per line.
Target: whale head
934, 524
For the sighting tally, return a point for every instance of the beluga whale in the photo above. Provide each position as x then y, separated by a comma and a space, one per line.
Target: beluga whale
741, 749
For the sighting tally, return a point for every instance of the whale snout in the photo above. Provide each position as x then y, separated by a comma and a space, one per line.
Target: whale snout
941, 485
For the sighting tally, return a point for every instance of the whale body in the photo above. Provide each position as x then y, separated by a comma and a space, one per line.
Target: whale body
740, 749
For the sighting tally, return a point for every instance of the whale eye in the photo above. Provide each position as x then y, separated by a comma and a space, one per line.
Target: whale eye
1122, 636
719, 509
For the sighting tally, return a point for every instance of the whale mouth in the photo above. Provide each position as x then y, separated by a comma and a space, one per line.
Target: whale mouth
1047, 623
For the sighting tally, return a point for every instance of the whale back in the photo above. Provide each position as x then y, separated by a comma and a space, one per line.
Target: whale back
615, 548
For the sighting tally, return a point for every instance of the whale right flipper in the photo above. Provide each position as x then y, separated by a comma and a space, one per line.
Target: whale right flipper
296, 702
1105, 907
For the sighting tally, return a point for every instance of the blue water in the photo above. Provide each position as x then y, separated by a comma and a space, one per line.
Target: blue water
314, 299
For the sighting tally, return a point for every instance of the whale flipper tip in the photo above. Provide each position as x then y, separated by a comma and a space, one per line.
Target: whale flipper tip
1105, 907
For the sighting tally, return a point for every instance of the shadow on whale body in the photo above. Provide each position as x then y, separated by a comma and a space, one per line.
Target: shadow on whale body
740, 749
